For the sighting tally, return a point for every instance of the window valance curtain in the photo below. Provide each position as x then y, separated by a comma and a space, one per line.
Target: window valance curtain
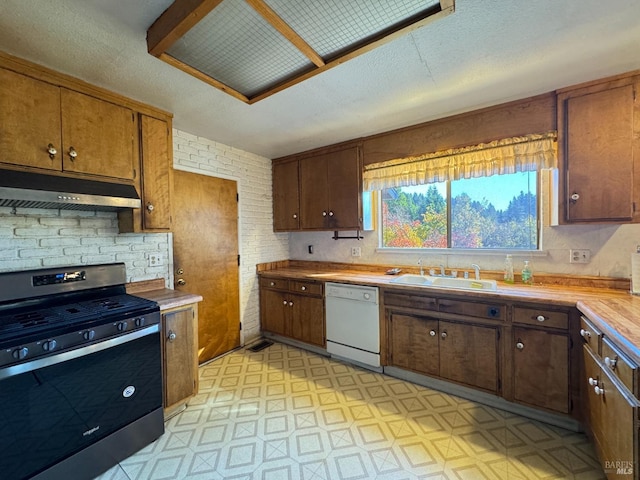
509, 155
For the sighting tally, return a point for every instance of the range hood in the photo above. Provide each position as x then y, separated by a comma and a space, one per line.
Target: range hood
36, 190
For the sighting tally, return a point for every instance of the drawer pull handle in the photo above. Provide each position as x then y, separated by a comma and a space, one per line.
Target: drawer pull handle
599, 390
586, 334
272, 284
432, 333
593, 381
520, 346
541, 318
303, 288
610, 362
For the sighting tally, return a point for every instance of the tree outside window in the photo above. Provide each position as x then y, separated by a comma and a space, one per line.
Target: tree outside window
497, 212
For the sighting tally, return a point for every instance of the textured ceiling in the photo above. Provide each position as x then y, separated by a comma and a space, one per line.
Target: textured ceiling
487, 52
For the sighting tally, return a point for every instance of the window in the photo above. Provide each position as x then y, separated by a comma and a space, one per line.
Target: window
496, 212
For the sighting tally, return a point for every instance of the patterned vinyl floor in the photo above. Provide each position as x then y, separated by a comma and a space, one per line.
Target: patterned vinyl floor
287, 414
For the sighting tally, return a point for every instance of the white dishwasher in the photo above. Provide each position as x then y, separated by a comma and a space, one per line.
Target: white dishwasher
353, 323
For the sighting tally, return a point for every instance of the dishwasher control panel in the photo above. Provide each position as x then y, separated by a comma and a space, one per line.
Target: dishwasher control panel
358, 293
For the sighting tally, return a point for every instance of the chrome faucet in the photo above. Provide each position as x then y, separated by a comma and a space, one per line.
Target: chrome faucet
421, 267
477, 269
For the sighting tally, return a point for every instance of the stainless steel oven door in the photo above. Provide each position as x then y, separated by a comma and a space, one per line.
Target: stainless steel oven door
54, 407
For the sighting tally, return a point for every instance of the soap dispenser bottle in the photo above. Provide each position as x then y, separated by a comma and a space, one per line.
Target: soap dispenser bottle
527, 274
508, 269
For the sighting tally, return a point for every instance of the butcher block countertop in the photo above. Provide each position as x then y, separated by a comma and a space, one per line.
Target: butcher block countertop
165, 297
613, 310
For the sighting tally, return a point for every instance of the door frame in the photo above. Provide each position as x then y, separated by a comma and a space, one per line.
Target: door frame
239, 224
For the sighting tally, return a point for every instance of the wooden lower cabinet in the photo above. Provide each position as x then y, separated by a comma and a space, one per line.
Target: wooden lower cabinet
541, 368
180, 356
286, 311
461, 352
612, 415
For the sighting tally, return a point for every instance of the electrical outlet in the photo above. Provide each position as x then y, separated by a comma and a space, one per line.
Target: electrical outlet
579, 256
356, 252
155, 260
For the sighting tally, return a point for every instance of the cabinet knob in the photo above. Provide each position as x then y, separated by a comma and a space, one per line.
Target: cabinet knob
172, 336
181, 281
331, 213
324, 214
72, 153
303, 288
295, 215
586, 334
610, 362
593, 381
574, 197
291, 304
541, 318
520, 346
150, 207
51, 150
285, 302
599, 390
432, 333
272, 284
443, 334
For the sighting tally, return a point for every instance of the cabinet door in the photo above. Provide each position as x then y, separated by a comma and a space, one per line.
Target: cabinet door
30, 121
314, 194
414, 343
611, 414
101, 133
469, 354
541, 369
345, 189
286, 198
597, 135
274, 311
180, 355
155, 145
307, 319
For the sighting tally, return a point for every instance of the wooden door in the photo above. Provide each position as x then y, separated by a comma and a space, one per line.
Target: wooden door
414, 343
541, 369
30, 112
205, 250
274, 311
598, 142
101, 133
307, 319
469, 354
179, 342
286, 197
314, 194
345, 189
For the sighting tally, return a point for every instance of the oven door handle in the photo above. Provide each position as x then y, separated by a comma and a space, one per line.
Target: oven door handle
76, 353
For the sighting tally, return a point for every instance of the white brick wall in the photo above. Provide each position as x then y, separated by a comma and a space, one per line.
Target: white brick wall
39, 238
258, 243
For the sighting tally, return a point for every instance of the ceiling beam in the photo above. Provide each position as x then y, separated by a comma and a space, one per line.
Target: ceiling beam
286, 31
175, 21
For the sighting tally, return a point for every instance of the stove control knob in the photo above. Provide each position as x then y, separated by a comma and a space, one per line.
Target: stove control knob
20, 353
89, 335
140, 321
122, 326
49, 345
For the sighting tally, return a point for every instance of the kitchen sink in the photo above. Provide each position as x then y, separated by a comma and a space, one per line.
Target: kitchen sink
411, 279
446, 282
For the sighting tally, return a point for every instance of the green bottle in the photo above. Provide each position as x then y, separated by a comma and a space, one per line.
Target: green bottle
527, 274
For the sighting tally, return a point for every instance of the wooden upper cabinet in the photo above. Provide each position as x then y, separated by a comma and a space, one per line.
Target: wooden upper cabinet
48, 127
100, 133
286, 197
331, 191
30, 122
598, 138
